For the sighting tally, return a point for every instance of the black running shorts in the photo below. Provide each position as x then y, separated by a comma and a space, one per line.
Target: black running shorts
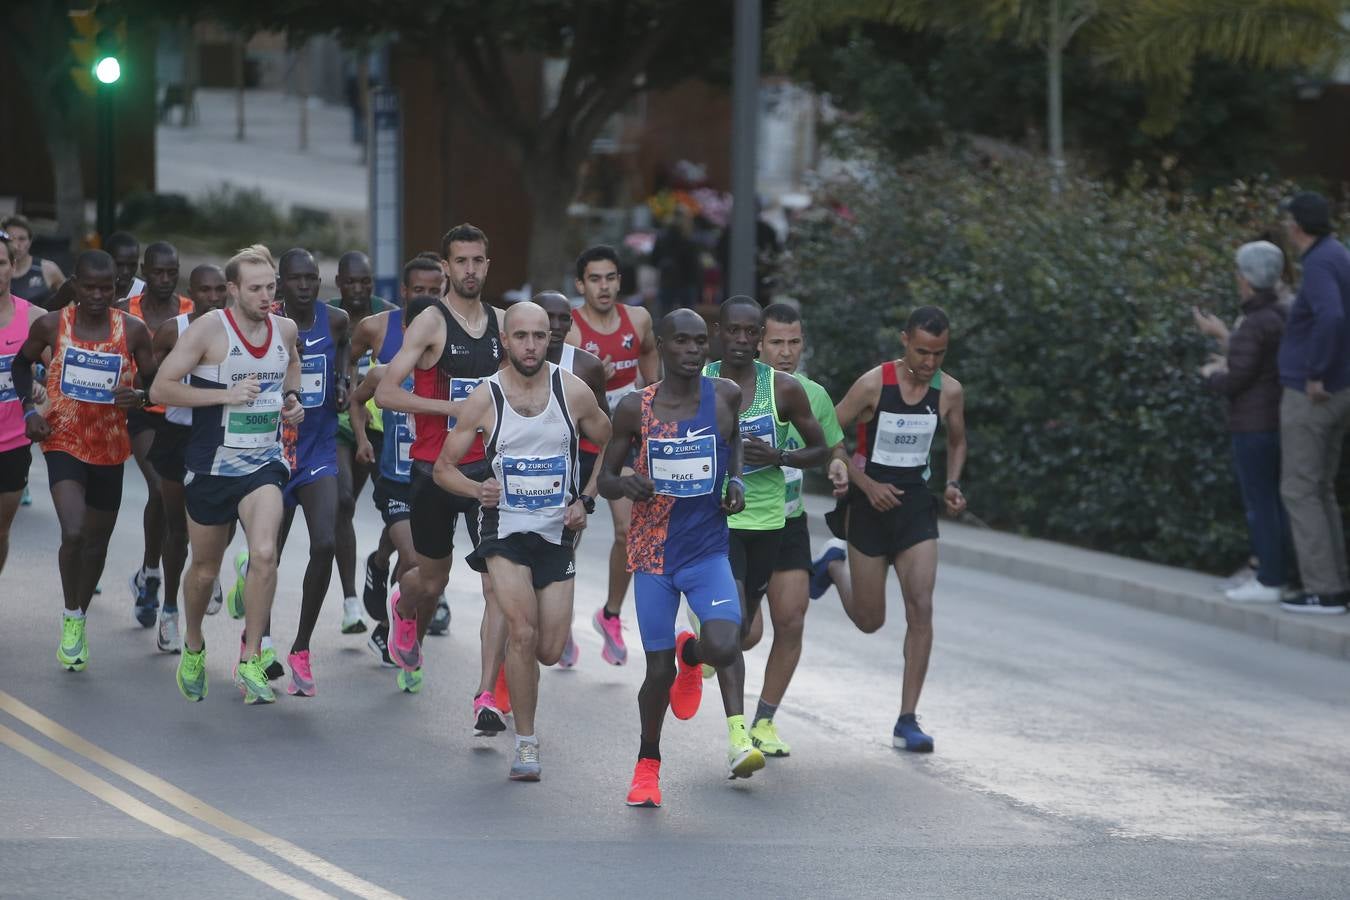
102, 484
215, 499
886, 534
548, 562
753, 554
14, 468
168, 454
435, 510
795, 550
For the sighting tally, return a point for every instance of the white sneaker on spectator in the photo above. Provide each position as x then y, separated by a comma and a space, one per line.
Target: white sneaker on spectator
1254, 592
1242, 576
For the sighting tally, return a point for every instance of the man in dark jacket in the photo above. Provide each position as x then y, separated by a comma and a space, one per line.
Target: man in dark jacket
1249, 379
1315, 409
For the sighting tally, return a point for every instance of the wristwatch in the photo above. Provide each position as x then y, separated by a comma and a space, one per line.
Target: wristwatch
587, 503
289, 393
956, 484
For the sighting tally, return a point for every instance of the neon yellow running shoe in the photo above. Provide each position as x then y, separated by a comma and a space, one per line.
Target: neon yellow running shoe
73, 653
708, 671
234, 600
192, 674
765, 736
410, 682
251, 680
744, 758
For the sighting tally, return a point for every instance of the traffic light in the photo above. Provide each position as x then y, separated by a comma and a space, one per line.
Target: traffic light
97, 47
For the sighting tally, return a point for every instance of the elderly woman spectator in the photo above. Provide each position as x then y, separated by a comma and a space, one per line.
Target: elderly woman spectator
1249, 378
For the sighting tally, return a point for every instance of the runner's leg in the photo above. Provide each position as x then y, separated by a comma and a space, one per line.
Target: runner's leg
788, 592
260, 513
9, 507
492, 635
348, 491
209, 543
515, 596
917, 569
621, 513
866, 605
319, 499
172, 493
152, 519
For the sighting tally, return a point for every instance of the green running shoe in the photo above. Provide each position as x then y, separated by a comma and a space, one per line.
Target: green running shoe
743, 757
234, 600
73, 654
410, 682
765, 736
251, 680
192, 673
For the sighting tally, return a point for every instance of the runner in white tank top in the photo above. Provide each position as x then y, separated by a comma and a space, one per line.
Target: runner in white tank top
531, 416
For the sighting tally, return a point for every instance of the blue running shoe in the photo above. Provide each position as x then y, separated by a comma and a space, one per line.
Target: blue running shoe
909, 736
820, 568
147, 603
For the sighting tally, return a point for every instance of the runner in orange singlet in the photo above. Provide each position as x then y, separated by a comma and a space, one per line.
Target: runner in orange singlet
97, 352
622, 337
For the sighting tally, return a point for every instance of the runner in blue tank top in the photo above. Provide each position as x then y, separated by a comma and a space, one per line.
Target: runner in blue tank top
685, 434
889, 518
322, 342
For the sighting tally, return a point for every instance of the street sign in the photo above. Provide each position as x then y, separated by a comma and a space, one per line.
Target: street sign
386, 192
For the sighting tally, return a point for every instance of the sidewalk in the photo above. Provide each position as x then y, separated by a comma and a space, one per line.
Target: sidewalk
1164, 589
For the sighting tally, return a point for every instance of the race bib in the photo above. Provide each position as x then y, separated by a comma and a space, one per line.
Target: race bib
534, 482
761, 427
403, 441
613, 397
682, 467
313, 380
460, 389
7, 391
903, 439
89, 376
252, 425
363, 365
792, 483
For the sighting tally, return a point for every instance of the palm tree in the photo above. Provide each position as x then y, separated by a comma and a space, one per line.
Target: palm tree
1155, 42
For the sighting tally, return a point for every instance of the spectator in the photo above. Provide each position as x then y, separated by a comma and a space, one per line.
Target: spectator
1315, 408
1249, 379
676, 257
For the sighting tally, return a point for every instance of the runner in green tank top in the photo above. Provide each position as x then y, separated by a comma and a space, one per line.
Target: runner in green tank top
770, 401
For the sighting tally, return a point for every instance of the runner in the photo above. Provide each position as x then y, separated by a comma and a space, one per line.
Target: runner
770, 402
586, 366
160, 303
355, 282
781, 347
96, 353
126, 253
621, 336
448, 355
377, 339
168, 456
33, 278
533, 414
685, 437
247, 358
16, 454
323, 336
889, 518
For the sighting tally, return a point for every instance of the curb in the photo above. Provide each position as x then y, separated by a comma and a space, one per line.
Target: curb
1163, 589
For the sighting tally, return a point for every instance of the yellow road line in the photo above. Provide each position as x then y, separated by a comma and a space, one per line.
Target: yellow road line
176, 797
120, 799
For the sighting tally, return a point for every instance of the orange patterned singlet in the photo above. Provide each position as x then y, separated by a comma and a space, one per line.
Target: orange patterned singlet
85, 423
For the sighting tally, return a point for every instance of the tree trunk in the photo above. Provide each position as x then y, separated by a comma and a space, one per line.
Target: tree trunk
191, 69
69, 179
550, 250
1054, 49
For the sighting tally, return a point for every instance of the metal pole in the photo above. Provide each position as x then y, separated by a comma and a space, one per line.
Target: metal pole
744, 146
106, 165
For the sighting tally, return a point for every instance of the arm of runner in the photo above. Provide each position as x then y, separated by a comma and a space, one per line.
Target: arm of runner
365, 451
795, 405
190, 348
592, 422
340, 327
954, 399
627, 427
423, 334
41, 335
592, 372
859, 405
53, 274
729, 423
363, 339
140, 346
474, 415
291, 410
649, 362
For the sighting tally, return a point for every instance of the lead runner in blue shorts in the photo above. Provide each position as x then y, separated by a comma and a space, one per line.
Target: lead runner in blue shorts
684, 431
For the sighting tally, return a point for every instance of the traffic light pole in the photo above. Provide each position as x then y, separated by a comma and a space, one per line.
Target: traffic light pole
107, 166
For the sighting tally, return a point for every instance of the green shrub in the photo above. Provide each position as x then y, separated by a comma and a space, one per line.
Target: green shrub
1072, 334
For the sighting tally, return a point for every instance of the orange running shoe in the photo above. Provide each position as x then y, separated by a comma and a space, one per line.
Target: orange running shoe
646, 788
687, 691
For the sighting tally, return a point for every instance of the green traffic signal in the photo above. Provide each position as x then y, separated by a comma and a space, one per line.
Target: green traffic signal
108, 70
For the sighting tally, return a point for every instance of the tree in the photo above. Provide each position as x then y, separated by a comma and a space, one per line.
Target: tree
613, 49
38, 37
1154, 42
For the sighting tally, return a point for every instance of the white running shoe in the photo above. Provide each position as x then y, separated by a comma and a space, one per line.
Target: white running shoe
352, 623
1254, 592
217, 599
166, 637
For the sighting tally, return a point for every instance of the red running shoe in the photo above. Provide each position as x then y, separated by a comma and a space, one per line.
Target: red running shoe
646, 788
687, 691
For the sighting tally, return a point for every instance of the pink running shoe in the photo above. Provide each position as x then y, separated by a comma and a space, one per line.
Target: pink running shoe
403, 647
302, 678
571, 652
487, 718
614, 652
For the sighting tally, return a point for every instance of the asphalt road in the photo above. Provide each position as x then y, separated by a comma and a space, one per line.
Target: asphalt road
1084, 749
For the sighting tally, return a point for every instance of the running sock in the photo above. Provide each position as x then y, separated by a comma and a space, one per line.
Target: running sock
74, 613
266, 643
610, 615
690, 654
526, 739
649, 750
151, 573
765, 710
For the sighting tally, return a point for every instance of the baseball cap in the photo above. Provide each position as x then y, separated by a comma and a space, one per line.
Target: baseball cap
1310, 210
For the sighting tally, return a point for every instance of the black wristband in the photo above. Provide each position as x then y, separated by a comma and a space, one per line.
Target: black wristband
587, 503
955, 484
286, 394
